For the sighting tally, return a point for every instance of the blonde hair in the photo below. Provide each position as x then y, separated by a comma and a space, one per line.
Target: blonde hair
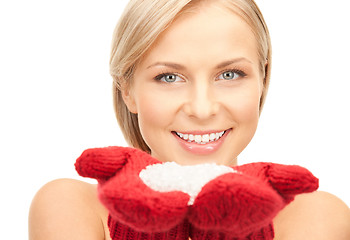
139, 27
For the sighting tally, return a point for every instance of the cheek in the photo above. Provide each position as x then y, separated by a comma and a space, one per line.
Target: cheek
248, 109
147, 108
248, 118
244, 112
243, 105
155, 113
148, 111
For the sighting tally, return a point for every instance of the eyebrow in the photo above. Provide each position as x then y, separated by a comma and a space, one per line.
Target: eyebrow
181, 67
167, 64
232, 61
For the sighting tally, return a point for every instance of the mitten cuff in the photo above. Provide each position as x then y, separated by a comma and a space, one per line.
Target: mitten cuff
119, 231
266, 233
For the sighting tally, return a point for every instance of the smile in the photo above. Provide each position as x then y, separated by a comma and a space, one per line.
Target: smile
201, 139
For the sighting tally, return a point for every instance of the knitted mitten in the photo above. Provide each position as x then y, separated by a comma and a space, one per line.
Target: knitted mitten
120, 231
243, 205
237, 204
135, 210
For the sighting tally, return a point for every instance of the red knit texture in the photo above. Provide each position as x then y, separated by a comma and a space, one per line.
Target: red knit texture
120, 231
265, 233
124, 194
233, 206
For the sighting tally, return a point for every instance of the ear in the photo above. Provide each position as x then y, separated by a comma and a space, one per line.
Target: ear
266, 73
129, 99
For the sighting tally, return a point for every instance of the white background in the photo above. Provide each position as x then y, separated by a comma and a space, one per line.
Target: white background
55, 94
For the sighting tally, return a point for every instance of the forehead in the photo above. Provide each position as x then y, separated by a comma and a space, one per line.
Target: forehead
208, 29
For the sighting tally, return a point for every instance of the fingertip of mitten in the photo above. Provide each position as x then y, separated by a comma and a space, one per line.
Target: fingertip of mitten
291, 180
101, 163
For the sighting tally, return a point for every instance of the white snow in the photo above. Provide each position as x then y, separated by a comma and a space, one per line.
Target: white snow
170, 176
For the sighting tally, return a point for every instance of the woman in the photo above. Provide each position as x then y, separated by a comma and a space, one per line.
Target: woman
190, 82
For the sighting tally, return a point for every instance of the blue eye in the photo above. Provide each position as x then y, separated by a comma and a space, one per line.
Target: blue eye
168, 78
229, 75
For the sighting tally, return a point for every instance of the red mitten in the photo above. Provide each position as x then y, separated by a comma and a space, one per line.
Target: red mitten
239, 203
242, 205
136, 211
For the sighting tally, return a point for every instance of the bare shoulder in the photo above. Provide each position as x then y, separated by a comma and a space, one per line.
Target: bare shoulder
67, 209
318, 215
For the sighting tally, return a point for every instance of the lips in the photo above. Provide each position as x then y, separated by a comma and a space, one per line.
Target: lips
200, 142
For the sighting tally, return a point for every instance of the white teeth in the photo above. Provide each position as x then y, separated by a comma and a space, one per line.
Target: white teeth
205, 138
201, 139
197, 138
212, 136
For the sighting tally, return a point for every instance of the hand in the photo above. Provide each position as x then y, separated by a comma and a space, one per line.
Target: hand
238, 205
135, 210
242, 205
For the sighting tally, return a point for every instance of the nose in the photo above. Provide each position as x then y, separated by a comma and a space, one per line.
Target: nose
202, 102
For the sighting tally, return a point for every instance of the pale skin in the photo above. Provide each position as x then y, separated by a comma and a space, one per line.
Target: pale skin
217, 87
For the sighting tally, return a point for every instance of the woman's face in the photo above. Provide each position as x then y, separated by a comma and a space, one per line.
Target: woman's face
197, 90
